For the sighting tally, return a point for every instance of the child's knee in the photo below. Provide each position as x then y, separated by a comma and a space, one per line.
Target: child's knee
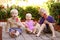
50, 24
43, 25
17, 33
37, 26
12, 34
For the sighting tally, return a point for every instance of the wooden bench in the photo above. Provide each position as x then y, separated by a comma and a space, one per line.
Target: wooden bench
25, 36
0, 33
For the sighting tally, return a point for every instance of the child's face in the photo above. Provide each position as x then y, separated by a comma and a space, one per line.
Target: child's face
28, 17
14, 14
42, 14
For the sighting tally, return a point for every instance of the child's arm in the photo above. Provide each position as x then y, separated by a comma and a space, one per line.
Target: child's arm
35, 22
46, 22
25, 24
18, 23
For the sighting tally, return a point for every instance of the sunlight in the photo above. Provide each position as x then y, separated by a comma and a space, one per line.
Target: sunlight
36, 2
28, 3
32, 2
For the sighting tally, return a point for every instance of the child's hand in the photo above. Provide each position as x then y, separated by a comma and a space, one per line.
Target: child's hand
6, 31
17, 19
35, 23
46, 22
25, 24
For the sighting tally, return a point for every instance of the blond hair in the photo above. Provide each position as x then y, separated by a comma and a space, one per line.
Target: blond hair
14, 11
43, 11
28, 14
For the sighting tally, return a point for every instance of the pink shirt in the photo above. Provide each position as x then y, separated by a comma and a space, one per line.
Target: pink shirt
30, 24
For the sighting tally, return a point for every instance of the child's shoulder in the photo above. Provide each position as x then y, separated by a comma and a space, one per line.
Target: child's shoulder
29, 21
50, 16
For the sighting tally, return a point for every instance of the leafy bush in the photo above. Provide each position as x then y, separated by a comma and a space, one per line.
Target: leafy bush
33, 11
5, 13
21, 12
55, 11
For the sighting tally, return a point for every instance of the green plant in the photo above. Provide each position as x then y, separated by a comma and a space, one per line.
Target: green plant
21, 12
55, 11
33, 11
3, 13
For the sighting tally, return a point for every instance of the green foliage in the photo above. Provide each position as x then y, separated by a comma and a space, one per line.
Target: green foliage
33, 11
21, 12
55, 11
5, 13
8, 12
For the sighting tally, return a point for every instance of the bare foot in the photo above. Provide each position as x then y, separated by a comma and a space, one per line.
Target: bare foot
37, 35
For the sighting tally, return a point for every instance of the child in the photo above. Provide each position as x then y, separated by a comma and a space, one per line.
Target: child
46, 20
31, 26
15, 24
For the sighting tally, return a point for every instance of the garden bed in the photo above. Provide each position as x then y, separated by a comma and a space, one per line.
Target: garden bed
3, 20
57, 28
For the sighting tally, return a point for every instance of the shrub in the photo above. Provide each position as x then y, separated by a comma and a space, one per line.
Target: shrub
55, 11
21, 12
5, 13
33, 11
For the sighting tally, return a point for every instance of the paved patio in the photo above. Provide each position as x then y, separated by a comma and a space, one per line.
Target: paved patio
25, 36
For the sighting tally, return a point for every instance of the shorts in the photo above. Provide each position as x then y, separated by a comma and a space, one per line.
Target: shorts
17, 29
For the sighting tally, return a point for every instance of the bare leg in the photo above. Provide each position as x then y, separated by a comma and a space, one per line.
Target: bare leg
34, 31
12, 34
28, 30
41, 28
17, 33
37, 26
52, 29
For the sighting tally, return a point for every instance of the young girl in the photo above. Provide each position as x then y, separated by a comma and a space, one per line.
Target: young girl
14, 23
31, 26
